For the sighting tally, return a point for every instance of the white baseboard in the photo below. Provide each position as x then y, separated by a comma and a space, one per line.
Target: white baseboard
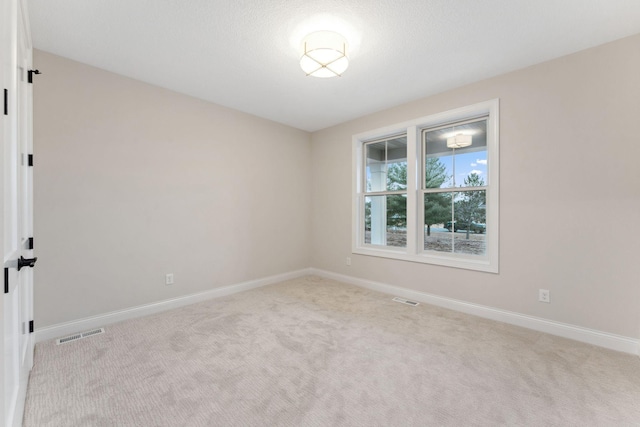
577, 333
590, 336
75, 326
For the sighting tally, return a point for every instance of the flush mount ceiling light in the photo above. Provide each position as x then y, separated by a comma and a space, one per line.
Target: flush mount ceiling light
459, 141
324, 54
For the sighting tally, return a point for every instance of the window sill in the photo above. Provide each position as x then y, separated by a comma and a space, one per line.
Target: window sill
448, 260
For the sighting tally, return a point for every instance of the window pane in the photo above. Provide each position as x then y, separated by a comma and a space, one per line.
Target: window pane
438, 211
455, 222
386, 165
376, 166
456, 167
386, 220
470, 218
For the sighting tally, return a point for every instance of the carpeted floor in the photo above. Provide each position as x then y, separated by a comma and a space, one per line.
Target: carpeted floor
314, 352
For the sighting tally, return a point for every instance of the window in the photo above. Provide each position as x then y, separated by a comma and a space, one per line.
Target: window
453, 188
427, 190
385, 200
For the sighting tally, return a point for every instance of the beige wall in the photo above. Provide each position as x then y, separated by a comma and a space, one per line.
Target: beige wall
133, 181
569, 195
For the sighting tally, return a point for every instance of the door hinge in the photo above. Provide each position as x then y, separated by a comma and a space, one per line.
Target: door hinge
31, 73
30, 243
30, 160
6, 280
30, 326
6, 102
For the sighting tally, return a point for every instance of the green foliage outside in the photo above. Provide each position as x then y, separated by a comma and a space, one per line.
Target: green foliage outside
470, 206
396, 204
437, 206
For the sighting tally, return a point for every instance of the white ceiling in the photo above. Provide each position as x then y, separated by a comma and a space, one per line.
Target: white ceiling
244, 54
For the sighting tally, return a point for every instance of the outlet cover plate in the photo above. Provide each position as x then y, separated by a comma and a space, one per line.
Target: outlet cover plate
543, 295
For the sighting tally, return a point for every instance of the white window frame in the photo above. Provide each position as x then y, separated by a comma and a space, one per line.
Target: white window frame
381, 192
414, 250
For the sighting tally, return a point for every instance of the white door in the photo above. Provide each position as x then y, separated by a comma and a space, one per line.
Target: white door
17, 235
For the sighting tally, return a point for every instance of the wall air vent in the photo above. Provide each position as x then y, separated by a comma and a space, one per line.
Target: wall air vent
405, 301
79, 336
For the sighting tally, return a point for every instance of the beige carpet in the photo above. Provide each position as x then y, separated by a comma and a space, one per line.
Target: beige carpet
314, 352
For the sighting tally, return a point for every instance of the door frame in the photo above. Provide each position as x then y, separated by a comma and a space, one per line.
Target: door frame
16, 178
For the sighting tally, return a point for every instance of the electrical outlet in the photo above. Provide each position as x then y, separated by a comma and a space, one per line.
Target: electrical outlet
543, 295
168, 279
348, 260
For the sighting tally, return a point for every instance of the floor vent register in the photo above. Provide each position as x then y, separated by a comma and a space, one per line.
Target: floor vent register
405, 301
79, 336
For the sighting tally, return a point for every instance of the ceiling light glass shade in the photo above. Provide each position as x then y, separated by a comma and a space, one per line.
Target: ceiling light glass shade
324, 54
459, 141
